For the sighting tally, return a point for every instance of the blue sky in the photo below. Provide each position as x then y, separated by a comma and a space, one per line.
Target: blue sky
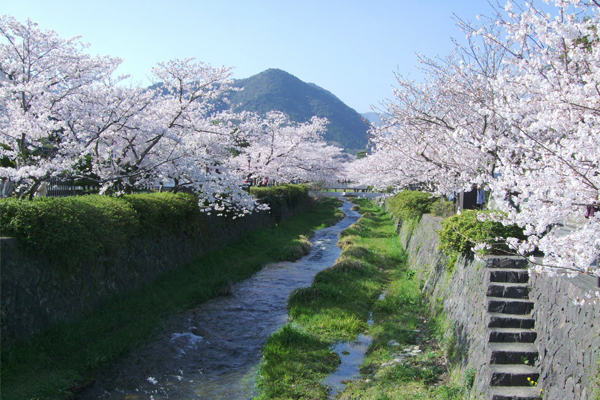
349, 47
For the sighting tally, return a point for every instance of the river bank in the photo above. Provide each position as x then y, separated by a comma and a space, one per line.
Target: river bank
368, 293
65, 360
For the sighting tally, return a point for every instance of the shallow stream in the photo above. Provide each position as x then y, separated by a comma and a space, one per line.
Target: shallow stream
213, 351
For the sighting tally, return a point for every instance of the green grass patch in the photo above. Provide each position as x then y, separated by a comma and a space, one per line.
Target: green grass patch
55, 363
406, 358
337, 307
294, 362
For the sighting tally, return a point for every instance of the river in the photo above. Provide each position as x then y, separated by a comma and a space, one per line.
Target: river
213, 351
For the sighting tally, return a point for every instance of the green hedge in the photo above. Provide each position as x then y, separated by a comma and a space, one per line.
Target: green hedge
442, 208
69, 230
277, 197
163, 211
410, 204
461, 232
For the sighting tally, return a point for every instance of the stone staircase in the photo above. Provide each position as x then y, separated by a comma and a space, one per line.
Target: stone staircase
510, 329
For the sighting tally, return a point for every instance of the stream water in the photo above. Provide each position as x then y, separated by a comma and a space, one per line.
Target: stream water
213, 351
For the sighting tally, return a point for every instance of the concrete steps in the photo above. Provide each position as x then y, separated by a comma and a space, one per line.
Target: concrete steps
514, 393
513, 353
512, 290
501, 320
512, 375
511, 334
505, 275
505, 305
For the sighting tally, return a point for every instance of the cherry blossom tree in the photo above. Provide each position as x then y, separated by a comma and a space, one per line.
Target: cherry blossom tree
516, 110
549, 98
286, 151
437, 134
41, 75
61, 108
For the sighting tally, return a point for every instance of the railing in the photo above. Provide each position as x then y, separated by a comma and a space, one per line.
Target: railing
60, 188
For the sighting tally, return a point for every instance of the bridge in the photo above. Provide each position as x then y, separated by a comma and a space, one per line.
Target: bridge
345, 187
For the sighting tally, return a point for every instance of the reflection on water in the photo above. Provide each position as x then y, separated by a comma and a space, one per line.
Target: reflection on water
351, 354
213, 351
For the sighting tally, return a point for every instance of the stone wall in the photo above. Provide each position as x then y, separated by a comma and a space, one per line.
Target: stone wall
460, 293
34, 295
568, 335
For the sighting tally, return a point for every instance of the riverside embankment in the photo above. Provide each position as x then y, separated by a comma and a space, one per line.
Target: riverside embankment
69, 255
213, 350
438, 328
367, 301
508, 325
66, 358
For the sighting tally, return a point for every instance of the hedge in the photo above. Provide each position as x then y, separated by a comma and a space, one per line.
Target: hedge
410, 204
69, 230
277, 197
461, 232
158, 212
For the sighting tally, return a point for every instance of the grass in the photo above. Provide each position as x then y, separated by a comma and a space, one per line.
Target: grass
596, 383
60, 362
337, 307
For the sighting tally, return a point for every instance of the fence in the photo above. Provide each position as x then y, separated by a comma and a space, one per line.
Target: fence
60, 188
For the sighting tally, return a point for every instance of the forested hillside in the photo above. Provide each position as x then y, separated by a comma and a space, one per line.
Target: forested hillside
275, 89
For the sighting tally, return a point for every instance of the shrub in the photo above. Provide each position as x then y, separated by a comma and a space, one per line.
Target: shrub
283, 195
443, 208
163, 211
410, 204
71, 229
461, 232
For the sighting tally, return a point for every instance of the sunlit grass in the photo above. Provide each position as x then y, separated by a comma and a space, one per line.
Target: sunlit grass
337, 307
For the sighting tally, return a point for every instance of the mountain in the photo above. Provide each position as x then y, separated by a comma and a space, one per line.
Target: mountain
277, 90
371, 117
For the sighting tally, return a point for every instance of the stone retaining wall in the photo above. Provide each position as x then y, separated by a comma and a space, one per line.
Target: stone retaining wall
461, 294
568, 335
34, 295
